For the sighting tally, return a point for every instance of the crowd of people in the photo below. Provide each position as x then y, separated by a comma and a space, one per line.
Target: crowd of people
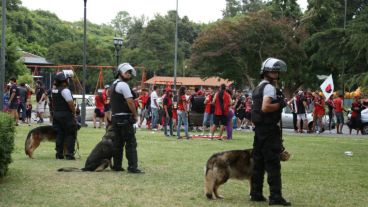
17, 101
231, 110
161, 112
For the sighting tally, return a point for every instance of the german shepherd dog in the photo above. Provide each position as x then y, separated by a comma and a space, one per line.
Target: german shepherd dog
100, 157
36, 136
221, 166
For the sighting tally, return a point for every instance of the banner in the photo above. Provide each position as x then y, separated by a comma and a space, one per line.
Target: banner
327, 87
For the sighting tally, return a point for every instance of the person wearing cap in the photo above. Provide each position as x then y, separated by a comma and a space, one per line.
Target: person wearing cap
268, 103
124, 116
64, 117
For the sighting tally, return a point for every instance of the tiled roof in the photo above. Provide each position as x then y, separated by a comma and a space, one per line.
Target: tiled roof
188, 81
31, 59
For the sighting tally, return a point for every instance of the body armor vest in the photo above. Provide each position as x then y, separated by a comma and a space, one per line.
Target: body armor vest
259, 117
58, 101
118, 101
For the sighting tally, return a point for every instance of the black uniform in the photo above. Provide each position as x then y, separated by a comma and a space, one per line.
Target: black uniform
267, 147
122, 125
65, 125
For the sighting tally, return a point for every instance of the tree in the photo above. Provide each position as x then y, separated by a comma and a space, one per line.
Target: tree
233, 8
135, 31
235, 48
330, 48
122, 23
252, 6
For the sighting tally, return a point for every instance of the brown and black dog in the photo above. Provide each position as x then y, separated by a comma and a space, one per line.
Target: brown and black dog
100, 157
36, 136
222, 166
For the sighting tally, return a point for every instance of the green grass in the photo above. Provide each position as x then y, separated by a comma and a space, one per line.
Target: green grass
318, 174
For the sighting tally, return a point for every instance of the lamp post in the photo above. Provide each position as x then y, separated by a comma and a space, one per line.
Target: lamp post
343, 58
83, 111
118, 43
175, 99
2, 69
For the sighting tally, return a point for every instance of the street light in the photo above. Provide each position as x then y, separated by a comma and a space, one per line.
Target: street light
83, 111
118, 43
343, 60
175, 99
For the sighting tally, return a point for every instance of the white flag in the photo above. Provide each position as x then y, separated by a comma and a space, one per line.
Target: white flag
327, 87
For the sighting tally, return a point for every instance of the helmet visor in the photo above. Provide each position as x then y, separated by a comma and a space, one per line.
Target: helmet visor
273, 64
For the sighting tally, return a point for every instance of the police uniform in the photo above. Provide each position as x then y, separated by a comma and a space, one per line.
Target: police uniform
122, 125
267, 145
63, 122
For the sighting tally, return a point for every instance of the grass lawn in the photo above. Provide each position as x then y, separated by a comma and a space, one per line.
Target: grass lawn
318, 174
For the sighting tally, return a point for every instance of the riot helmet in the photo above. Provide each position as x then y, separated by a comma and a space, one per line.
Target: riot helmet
60, 77
124, 67
273, 65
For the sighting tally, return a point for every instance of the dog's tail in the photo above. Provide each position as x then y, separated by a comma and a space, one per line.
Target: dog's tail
69, 169
27, 144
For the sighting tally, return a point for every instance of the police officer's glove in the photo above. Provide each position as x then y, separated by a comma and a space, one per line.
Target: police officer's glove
280, 98
285, 156
282, 103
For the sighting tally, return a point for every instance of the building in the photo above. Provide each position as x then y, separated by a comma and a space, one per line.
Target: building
190, 82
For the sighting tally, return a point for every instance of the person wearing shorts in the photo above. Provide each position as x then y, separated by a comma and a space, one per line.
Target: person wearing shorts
99, 110
14, 100
339, 103
221, 101
41, 99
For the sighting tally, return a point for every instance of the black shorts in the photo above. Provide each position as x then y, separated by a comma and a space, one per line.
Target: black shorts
99, 113
28, 113
220, 120
107, 107
13, 105
240, 114
248, 115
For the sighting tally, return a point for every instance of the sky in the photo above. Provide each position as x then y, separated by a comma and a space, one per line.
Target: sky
98, 12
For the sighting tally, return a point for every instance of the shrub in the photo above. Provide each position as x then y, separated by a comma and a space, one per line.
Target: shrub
7, 132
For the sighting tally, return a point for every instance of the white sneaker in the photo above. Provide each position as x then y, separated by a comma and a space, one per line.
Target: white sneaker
238, 129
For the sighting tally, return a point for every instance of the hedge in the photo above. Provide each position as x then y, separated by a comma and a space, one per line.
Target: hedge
7, 133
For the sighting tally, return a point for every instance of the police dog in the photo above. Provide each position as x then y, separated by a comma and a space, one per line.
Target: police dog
100, 157
221, 166
36, 136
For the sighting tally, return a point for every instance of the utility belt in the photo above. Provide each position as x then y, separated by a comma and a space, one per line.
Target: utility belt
122, 120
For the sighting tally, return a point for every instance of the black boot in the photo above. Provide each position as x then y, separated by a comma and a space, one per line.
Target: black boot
279, 200
135, 171
59, 156
257, 198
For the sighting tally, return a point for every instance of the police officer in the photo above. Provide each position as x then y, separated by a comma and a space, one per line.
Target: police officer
124, 115
267, 146
64, 117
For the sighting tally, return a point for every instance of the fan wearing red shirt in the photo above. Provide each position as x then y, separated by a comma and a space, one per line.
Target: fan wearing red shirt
355, 122
182, 113
99, 110
143, 98
208, 110
318, 112
222, 102
339, 103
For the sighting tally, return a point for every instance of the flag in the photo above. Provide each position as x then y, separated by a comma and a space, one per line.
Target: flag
327, 87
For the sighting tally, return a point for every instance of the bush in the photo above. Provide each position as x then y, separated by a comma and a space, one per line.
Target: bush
7, 132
